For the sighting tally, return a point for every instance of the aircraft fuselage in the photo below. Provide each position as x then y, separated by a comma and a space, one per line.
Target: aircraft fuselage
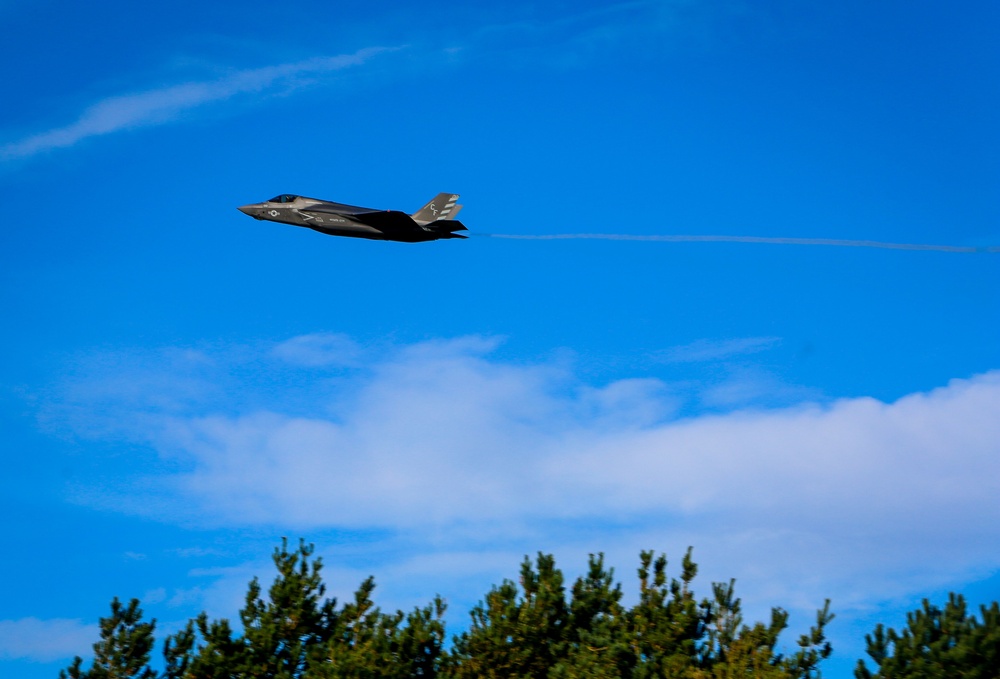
433, 222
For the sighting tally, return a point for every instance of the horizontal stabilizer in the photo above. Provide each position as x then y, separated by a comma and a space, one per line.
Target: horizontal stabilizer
449, 225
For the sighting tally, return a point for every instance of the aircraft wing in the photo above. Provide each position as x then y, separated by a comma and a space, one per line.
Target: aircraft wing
392, 223
400, 226
389, 222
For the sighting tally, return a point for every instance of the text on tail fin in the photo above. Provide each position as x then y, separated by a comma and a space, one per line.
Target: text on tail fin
443, 206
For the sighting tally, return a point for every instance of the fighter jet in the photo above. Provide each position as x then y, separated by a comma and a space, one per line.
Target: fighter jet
431, 222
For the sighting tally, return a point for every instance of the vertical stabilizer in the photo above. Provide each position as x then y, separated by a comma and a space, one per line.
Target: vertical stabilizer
442, 207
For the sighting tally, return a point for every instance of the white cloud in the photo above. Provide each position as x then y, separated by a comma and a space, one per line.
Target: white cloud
157, 106
499, 433
45, 640
461, 452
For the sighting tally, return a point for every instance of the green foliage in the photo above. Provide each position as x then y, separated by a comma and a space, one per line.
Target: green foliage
596, 644
124, 648
515, 633
667, 625
369, 644
533, 632
534, 628
295, 632
937, 643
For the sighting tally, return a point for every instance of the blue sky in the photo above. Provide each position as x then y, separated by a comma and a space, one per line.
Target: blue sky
180, 385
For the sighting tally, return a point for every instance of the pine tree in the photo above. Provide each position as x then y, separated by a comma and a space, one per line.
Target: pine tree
937, 643
534, 633
369, 644
279, 633
293, 632
124, 649
595, 639
515, 634
667, 626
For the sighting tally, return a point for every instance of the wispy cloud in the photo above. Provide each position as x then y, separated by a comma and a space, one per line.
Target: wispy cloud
714, 350
579, 33
751, 387
162, 105
320, 349
582, 34
44, 640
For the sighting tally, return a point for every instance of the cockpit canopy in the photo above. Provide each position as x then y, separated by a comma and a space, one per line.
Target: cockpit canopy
283, 198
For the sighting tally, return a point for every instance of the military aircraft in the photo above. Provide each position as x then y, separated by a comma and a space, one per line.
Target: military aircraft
431, 222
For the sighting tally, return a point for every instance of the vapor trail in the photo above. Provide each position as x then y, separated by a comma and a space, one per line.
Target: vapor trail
752, 239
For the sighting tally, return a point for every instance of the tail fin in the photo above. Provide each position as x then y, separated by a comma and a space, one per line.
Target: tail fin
442, 207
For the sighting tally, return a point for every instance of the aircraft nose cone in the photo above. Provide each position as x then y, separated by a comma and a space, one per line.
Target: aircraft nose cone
246, 209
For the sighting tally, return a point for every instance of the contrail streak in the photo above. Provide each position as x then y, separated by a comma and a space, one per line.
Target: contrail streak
754, 239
